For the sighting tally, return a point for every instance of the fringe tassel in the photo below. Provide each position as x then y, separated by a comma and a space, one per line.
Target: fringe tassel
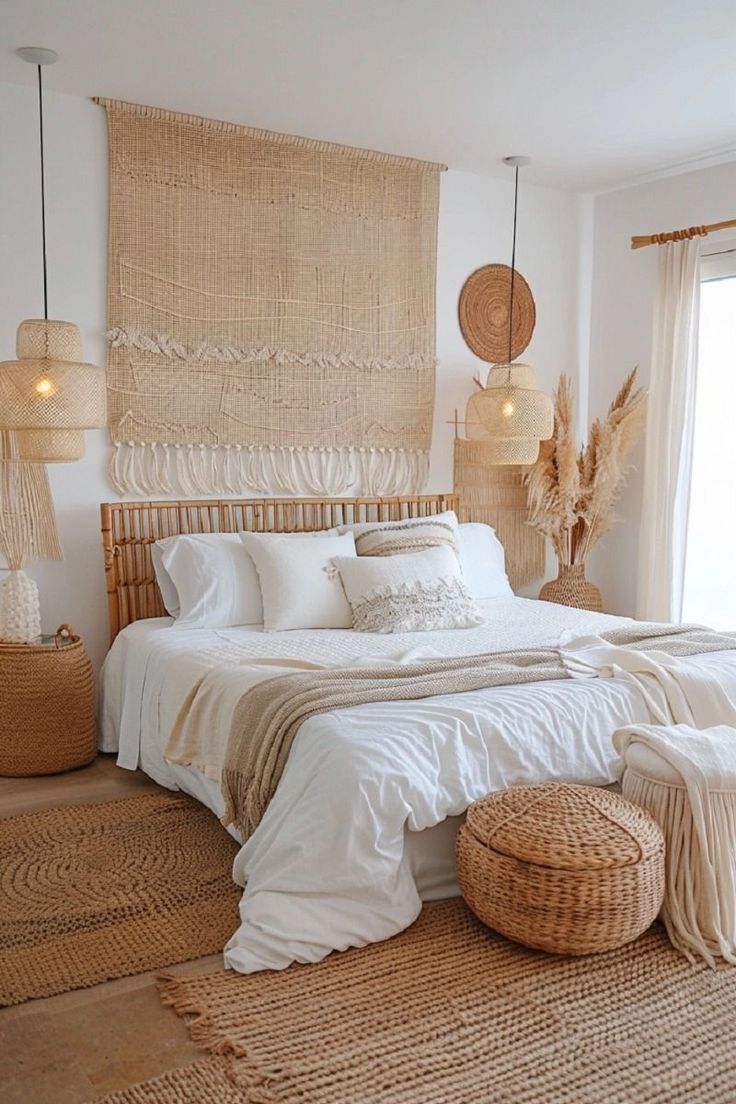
174, 991
498, 497
27, 516
145, 470
699, 909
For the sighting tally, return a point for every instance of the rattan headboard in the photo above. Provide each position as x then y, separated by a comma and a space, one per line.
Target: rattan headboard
130, 528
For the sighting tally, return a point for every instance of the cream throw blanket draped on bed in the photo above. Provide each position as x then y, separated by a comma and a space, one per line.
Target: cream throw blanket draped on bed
269, 715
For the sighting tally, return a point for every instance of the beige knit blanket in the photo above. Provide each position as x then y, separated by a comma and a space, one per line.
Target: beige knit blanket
269, 715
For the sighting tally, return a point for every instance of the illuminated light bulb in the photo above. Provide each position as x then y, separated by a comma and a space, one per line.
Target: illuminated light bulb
507, 408
45, 388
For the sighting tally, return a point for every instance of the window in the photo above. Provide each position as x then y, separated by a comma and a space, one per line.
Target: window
710, 563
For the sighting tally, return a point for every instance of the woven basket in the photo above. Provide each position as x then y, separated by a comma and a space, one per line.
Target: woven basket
571, 588
47, 707
568, 869
483, 313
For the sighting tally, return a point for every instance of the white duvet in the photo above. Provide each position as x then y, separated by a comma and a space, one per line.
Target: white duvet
335, 862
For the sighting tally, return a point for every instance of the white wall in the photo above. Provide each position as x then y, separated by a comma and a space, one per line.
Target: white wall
624, 282
474, 229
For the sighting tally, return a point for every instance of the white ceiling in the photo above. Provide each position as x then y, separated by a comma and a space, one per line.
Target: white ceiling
597, 93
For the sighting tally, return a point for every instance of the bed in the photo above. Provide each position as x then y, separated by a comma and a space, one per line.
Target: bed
361, 828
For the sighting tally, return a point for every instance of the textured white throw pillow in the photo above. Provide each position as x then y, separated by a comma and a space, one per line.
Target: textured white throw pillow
210, 580
483, 561
408, 593
300, 587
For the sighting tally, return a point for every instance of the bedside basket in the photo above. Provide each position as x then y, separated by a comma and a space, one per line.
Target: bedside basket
563, 868
47, 706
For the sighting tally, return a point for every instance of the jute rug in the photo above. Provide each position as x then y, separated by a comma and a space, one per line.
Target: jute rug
450, 1013
93, 892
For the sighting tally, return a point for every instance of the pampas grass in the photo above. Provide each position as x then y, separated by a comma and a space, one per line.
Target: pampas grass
571, 493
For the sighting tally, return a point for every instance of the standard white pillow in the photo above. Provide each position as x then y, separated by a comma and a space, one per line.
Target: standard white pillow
213, 582
300, 587
483, 561
169, 593
213, 578
414, 592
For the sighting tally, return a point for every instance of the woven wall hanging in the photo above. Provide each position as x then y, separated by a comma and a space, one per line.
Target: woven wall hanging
497, 496
483, 312
271, 310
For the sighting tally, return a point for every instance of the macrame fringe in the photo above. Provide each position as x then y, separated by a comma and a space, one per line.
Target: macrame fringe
190, 470
27, 516
163, 345
700, 873
497, 497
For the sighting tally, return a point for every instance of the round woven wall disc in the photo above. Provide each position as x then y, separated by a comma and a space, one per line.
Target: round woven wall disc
483, 311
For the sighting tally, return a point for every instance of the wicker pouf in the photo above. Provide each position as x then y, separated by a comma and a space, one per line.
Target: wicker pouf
47, 706
568, 869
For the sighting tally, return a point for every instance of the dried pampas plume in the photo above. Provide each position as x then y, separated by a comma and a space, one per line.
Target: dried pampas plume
571, 494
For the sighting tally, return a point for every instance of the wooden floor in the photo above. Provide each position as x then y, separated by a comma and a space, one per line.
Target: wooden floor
79, 1046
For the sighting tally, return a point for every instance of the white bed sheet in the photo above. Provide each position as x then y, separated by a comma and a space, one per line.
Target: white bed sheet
362, 825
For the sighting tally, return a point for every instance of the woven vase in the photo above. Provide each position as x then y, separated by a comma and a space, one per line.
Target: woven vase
571, 588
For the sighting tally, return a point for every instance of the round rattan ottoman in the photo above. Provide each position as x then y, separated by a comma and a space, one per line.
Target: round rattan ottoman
47, 706
563, 868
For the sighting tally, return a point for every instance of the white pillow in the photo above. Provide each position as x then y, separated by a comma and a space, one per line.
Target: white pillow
169, 593
213, 578
414, 592
217, 578
483, 561
300, 587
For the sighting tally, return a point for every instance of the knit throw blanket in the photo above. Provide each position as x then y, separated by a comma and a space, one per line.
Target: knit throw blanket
269, 715
692, 796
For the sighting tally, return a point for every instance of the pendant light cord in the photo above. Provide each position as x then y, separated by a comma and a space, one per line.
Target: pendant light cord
43, 195
513, 270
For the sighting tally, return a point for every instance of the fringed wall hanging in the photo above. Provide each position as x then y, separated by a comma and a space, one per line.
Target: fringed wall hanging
271, 310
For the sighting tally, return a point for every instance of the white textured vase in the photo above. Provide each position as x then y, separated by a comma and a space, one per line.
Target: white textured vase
20, 612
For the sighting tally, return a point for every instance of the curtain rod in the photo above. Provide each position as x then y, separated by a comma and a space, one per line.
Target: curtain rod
680, 235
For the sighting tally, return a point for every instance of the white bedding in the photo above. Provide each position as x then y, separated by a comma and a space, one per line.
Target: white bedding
349, 844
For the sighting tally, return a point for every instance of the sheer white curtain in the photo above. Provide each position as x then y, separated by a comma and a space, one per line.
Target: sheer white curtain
670, 432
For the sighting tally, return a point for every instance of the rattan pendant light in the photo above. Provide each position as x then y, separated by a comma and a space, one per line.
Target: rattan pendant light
512, 412
48, 396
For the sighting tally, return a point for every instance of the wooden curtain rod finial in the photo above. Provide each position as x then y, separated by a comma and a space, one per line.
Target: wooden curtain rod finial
638, 242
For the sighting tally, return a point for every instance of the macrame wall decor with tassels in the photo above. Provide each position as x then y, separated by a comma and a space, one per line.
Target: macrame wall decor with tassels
271, 310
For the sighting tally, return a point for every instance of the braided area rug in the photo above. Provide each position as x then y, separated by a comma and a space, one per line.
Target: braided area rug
94, 892
449, 1013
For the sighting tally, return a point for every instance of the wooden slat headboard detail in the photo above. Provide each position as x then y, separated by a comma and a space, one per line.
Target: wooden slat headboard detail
130, 528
